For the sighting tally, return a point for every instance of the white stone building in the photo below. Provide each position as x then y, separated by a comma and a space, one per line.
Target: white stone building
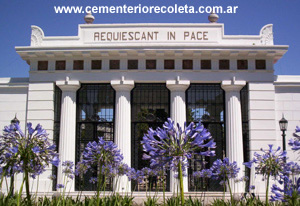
117, 80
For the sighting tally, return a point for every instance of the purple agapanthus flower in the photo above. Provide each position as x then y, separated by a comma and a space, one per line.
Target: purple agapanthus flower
59, 186
149, 172
68, 170
170, 145
269, 163
289, 193
102, 153
252, 187
93, 180
295, 143
224, 170
136, 175
31, 153
103, 158
205, 173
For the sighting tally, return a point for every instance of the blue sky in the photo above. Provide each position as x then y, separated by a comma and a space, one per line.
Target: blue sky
17, 16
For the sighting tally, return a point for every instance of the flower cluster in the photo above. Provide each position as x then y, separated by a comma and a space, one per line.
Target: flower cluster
170, 145
289, 177
295, 143
205, 173
290, 191
270, 163
224, 170
102, 154
290, 169
31, 153
68, 169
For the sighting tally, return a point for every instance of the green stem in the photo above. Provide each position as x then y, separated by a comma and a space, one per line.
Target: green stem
64, 190
164, 195
11, 187
2, 178
20, 193
231, 197
224, 190
27, 187
181, 183
99, 185
267, 190
37, 188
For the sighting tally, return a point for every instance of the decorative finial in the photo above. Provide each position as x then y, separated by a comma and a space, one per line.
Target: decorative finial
213, 17
89, 18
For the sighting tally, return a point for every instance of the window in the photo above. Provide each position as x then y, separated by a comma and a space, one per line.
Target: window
169, 64
78, 65
133, 64
187, 64
245, 124
150, 107
242, 64
206, 103
224, 64
42, 65
96, 64
60, 65
114, 64
95, 118
150, 64
205, 64
56, 128
260, 64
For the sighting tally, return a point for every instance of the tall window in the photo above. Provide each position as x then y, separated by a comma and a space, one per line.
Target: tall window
56, 129
95, 118
205, 103
150, 109
245, 125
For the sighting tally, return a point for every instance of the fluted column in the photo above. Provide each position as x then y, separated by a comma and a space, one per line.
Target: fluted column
67, 134
123, 127
178, 115
234, 130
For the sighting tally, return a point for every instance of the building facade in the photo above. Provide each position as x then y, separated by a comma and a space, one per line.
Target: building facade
118, 80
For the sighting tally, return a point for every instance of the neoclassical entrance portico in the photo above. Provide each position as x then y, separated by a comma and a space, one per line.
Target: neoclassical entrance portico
120, 88
122, 133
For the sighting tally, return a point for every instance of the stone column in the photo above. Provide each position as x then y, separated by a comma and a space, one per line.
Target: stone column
67, 135
123, 127
178, 115
234, 132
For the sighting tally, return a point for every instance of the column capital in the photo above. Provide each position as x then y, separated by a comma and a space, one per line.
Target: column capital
122, 85
68, 85
233, 85
178, 85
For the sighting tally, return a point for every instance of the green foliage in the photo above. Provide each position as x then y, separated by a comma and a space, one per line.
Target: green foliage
176, 201
193, 201
118, 200
248, 201
173, 201
114, 200
151, 201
